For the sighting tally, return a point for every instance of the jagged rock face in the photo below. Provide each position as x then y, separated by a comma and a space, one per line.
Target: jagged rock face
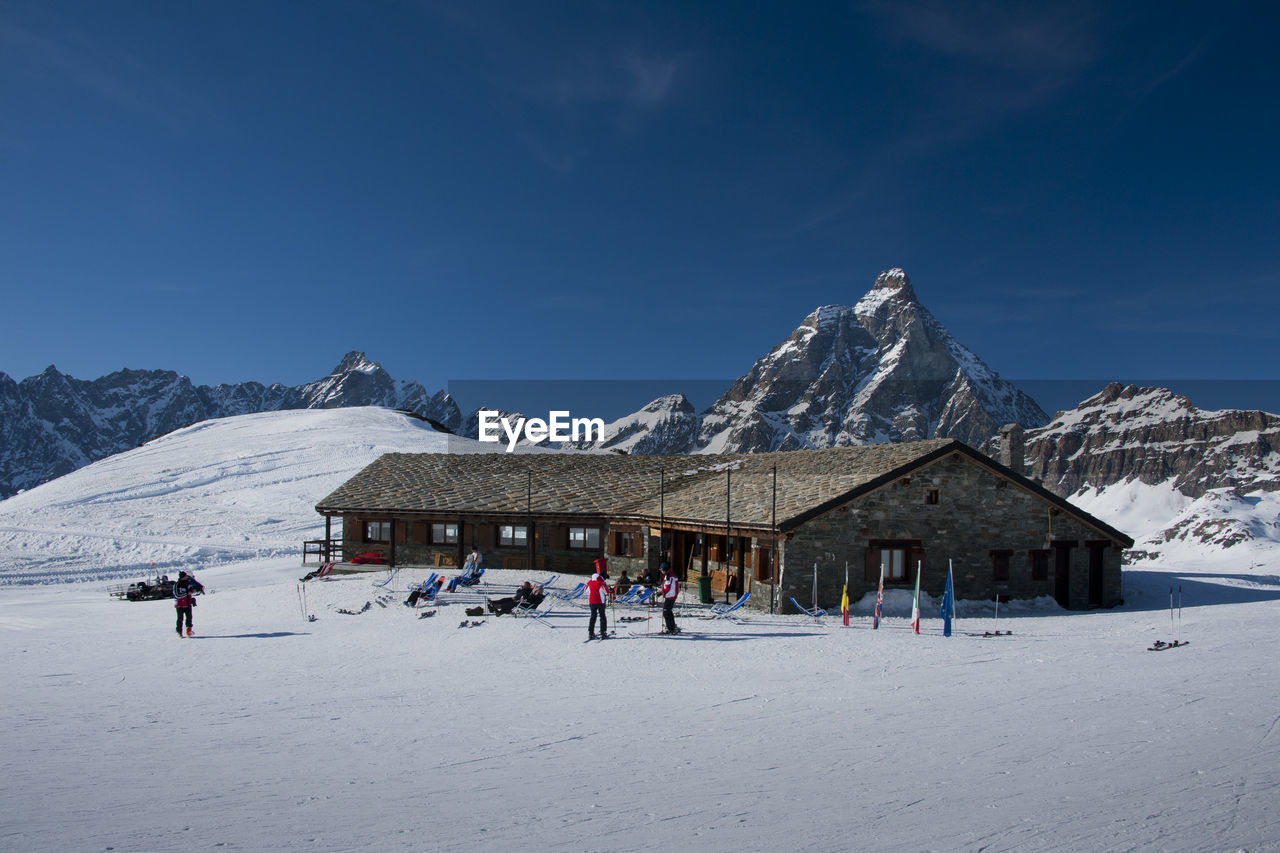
666, 425
52, 424
882, 370
1155, 436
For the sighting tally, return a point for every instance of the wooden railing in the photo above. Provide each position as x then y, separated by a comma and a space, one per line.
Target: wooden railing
323, 549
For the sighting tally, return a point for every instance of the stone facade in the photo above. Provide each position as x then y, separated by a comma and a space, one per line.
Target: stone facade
986, 524
925, 502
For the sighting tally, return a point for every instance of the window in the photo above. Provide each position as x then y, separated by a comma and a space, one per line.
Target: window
444, 534
931, 497
893, 559
377, 531
584, 537
1000, 565
513, 534
893, 564
627, 543
1039, 564
764, 565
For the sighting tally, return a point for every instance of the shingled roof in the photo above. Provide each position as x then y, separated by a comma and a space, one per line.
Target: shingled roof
683, 488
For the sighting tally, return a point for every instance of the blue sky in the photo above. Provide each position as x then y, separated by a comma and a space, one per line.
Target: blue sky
479, 190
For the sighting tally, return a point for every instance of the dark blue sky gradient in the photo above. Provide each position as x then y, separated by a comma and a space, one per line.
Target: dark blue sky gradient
494, 191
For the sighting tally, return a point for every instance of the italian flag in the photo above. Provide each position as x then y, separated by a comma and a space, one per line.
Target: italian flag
915, 604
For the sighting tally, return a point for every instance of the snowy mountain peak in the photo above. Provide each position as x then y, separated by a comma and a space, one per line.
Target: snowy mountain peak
883, 370
356, 362
896, 279
891, 292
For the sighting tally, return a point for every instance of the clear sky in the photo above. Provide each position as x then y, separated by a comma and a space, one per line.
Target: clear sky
479, 190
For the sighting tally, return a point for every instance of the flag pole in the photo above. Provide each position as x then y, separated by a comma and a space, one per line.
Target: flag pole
915, 604
844, 598
815, 586
875, 618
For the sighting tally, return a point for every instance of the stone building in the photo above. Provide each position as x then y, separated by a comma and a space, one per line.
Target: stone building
746, 522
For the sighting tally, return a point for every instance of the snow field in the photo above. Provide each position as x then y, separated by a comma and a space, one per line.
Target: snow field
385, 731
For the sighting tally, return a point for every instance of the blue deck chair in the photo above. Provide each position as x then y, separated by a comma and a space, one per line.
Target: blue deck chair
719, 611
569, 595
814, 613
425, 592
467, 578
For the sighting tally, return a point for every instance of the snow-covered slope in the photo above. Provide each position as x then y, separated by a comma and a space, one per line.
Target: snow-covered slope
52, 424
220, 490
384, 731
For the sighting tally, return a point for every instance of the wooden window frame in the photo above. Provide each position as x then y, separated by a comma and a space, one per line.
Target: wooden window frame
513, 541
932, 497
446, 538
763, 564
627, 543
585, 543
382, 534
1001, 564
912, 553
1039, 559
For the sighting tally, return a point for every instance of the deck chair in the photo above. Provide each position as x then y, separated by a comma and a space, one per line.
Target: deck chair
539, 613
814, 613
627, 597
467, 578
568, 595
720, 611
425, 592
642, 597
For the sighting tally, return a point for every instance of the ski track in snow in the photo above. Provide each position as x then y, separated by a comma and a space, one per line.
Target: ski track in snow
385, 731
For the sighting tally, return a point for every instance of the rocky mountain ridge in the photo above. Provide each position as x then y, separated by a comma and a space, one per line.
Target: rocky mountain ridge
1154, 436
881, 370
52, 424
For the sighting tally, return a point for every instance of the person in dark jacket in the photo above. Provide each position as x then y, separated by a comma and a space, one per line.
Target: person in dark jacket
184, 598
527, 595
670, 592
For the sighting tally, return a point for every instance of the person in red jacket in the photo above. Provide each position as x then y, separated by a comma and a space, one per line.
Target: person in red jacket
670, 591
184, 598
597, 592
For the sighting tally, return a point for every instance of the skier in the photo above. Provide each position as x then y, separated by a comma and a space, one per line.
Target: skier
184, 598
670, 590
597, 589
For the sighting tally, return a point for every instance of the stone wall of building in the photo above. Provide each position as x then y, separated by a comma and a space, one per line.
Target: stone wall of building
956, 510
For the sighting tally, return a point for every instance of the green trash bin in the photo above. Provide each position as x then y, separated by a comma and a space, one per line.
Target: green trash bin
704, 588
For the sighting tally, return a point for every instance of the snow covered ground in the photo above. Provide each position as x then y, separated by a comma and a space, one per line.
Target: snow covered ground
387, 731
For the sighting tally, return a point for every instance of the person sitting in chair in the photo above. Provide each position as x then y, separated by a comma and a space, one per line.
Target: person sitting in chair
527, 595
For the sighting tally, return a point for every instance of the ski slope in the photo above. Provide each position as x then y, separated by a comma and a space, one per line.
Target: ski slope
385, 731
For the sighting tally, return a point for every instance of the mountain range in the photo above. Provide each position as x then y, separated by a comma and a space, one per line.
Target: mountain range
52, 424
882, 370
